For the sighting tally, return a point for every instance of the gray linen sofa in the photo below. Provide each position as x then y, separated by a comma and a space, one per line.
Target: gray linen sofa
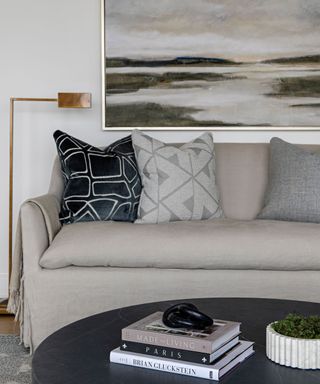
77, 270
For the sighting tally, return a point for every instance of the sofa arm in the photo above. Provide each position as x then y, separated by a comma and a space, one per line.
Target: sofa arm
39, 225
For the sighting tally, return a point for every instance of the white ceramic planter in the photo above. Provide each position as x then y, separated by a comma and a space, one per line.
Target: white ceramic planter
292, 352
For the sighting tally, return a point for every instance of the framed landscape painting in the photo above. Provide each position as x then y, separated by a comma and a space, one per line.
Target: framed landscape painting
211, 64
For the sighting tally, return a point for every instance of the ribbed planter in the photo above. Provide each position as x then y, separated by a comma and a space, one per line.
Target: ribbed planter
292, 352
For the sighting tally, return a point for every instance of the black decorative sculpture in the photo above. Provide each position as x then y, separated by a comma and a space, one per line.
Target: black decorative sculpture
186, 315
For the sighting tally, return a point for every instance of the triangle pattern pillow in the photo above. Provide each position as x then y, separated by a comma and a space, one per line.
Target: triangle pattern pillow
100, 184
179, 181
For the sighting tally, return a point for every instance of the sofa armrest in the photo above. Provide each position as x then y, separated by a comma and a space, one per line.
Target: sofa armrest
39, 225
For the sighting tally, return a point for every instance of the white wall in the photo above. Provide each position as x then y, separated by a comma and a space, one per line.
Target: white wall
54, 45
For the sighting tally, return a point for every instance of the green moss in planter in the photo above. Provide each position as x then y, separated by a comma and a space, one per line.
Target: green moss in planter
298, 326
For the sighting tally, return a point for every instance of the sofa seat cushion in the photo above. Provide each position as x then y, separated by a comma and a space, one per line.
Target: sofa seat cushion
212, 244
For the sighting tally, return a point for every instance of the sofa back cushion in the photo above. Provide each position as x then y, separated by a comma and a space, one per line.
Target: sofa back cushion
242, 175
241, 172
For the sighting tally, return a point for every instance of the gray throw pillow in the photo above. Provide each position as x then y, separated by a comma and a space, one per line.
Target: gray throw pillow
293, 192
178, 180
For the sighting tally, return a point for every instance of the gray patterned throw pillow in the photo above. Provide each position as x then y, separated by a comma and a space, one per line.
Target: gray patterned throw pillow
293, 193
178, 179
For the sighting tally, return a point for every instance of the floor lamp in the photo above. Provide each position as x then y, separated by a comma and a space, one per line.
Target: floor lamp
64, 100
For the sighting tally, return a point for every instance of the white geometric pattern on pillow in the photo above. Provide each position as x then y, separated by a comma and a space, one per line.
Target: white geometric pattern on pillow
100, 184
178, 179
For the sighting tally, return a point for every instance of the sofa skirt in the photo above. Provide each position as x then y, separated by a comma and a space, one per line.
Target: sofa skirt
55, 298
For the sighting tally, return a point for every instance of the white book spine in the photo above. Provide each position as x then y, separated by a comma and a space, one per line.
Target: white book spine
165, 366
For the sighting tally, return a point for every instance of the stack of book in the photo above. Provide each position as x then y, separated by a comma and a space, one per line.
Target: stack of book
208, 354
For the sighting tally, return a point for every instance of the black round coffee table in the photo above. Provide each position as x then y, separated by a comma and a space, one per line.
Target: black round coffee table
79, 352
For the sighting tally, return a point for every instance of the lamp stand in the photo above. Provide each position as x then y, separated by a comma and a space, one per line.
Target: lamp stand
64, 100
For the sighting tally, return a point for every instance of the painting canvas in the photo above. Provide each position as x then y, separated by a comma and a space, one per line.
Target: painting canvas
211, 63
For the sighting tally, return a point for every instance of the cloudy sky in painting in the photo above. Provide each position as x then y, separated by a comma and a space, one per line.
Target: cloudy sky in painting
244, 30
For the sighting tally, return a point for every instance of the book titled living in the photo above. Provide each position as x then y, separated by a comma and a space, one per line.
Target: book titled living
152, 331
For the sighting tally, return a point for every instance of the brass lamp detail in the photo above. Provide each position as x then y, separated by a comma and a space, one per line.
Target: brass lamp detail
74, 100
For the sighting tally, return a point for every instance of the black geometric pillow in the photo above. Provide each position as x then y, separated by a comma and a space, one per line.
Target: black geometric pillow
100, 184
